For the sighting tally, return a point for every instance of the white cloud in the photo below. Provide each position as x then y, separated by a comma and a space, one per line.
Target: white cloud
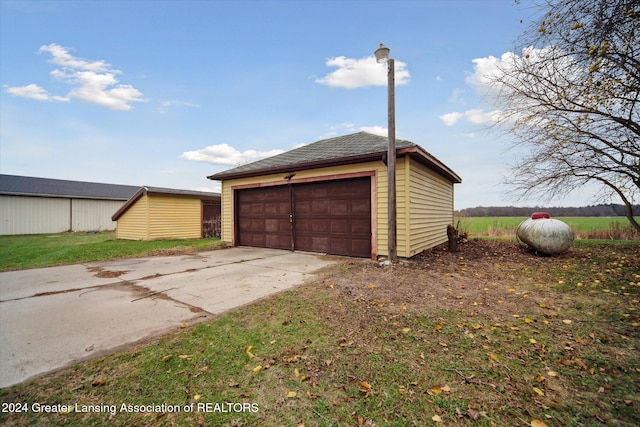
456, 96
451, 119
92, 81
33, 91
61, 56
473, 116
223, 154
376, 130
166, 106
354, 73
485, 71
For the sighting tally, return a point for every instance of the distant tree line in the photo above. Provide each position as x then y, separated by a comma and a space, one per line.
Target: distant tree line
605, 210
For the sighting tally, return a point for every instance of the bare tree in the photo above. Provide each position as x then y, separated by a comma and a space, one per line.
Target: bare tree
571, 101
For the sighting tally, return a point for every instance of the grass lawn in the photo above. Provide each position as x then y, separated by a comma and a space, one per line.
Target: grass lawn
44, 250
491, 336
583, 227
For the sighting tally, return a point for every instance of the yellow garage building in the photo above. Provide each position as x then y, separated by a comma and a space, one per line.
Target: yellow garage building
330, 196
160, 213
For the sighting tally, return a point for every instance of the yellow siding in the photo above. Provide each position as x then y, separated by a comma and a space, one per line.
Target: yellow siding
430, 211
424, 203
134, 223
403, 220
174, 217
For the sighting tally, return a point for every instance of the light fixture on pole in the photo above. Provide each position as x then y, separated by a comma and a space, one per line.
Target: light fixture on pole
382, 55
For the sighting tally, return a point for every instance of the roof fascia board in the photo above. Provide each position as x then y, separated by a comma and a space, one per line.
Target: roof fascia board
428, 160
128, 204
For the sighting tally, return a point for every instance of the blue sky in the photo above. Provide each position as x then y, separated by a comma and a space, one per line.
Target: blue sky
164, 93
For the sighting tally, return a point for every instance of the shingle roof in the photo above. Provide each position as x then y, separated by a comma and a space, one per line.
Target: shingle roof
173, 191
45, 187
352, 148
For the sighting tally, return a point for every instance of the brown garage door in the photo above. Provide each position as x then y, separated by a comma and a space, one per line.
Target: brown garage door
263, 217
330, 216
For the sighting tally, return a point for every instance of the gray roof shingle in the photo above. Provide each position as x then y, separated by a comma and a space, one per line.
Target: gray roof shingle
45, 187
352, 148
176, 192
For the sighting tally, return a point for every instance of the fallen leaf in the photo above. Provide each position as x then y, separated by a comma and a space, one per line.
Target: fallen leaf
538, 391
98, 383
532, 341
296, 373
446, 388
567, 321
436, 390
257, 368
248, 351
493, 356
167, 357
526, 319
552, 373
183, 325
537, 423
437, 418
473, 414
365, 387
405, 330
197, 397
291, 394
580, 363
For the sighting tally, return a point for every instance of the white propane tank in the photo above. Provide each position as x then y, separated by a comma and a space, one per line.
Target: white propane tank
545, 235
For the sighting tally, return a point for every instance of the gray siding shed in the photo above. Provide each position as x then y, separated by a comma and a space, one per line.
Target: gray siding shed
30, 205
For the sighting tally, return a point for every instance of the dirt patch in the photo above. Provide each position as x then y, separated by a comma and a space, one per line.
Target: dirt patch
102, 273
179, 250
493, 278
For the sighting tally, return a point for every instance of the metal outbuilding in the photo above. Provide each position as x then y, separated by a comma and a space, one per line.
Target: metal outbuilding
31, 205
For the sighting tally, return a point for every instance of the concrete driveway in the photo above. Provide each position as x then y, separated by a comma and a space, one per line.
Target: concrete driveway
54, 317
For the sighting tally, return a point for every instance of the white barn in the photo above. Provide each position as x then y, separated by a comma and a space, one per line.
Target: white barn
30, 205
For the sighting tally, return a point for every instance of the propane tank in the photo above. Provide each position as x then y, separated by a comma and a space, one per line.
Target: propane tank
544, 234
